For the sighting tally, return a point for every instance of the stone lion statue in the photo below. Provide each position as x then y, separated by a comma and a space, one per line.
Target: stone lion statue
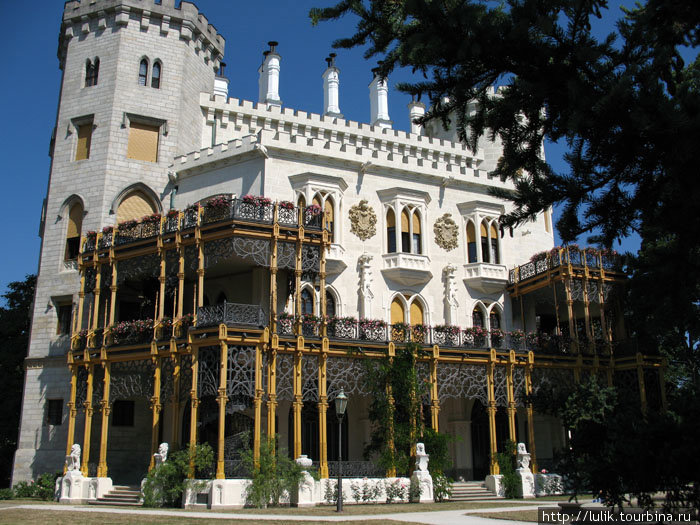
73, 461
162, 454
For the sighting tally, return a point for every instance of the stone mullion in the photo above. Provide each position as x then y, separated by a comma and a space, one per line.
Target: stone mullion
72, 410
511, 396
298, 403
175, 403
194, 405
530, 412
88, 420
434, 398
493, 447
222, 398
106, 409
257, 403
322, 414
156, 406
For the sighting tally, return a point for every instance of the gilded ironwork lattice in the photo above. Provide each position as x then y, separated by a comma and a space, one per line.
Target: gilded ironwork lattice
286, 255
309, 378
577, 289
519, 385
185, 377
256, 251
98, 385
191, 257
500, 386
131, 379
593, 292
81, 387
285, 375
310, 259
90, 280
240, 374
423, 376
138, 267
172, 262
208, 380
347, 373
557, 378
167, 367
462, 381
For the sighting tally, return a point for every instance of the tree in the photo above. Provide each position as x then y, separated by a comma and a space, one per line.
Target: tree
15, 323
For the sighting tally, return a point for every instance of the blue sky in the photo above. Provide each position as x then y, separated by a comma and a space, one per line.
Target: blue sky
29, 93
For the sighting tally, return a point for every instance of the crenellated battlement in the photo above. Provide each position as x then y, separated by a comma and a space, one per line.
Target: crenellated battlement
79, 17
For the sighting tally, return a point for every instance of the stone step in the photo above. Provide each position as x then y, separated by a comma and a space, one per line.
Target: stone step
103, 502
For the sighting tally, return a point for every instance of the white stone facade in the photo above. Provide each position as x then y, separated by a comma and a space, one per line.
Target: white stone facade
210, 145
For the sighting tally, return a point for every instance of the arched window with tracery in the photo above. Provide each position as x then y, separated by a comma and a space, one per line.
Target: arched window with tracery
328, 215
416, 313
398, 313
301, 202
155, 74
307, 302
405, 231
416, 233
471, 243
494, 320
330, 304
75, 226
135, 206
143, 72
391, 231
493, 239
485, 242
477, 317
92, 71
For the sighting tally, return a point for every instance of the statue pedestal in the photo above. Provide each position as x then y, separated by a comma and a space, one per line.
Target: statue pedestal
424, 480
73, 487
527, 483
305, 493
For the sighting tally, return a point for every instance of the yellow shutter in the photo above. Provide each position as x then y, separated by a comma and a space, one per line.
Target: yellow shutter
328, 213
483, 229
471, 235
143, 142
390, 219
397, 312
134, 206
404, 221
416, 223
494, 231
75, 220
84, 139
416, 313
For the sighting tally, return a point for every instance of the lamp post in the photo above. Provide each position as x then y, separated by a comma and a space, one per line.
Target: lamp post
341, 403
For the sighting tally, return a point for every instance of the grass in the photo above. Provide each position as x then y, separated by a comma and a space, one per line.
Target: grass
517, 515
384, 508
9, 516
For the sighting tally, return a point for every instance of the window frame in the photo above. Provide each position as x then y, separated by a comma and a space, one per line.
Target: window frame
156, 80
54, 407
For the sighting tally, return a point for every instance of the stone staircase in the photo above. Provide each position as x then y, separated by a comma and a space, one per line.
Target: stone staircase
471, 491
121, 496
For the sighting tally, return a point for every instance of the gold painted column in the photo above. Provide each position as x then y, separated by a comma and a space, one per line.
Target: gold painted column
511, 396
297, 284
180, 281
434, 398
273, 271
530, 412
113, 297
88, 420
586, 310
194, 404
272, 391
175, 402
223, 398
298, 403
155, 409
322, 413
161, 280
257, 402
322, 277
81, 302
556, 305
106, 409
72, 410
200, 275
493, 444
642, 388
573, 333
391, 472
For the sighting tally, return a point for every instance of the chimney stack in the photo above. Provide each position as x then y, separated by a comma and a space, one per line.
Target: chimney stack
269, 82
331, 82
415, 111
221, 83
379, 102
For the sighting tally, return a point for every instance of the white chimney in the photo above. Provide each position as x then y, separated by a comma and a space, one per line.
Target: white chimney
221, 83
379, 102
269, 81
331, 82
415, 111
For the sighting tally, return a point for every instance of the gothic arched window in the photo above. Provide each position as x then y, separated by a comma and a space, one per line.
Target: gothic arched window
307, 301
143, 72
92, 70
155, 75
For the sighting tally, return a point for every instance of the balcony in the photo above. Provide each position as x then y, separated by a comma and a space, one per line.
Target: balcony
334, 259
407, 268
232, 314
579, 259
486, 277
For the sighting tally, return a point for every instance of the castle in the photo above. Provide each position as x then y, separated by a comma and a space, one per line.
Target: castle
208, 265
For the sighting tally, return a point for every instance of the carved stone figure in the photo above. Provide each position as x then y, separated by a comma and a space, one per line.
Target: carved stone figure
73, 461
523, 458
363, 220
421, 458
446, 231
162, 454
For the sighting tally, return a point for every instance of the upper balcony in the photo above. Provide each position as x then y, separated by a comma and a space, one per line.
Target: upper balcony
486, 277
407, 268
335, 262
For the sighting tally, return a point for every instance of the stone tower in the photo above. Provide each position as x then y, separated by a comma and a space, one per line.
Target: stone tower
133, 71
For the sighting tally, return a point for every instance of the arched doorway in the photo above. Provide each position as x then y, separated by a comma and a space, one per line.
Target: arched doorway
480, 440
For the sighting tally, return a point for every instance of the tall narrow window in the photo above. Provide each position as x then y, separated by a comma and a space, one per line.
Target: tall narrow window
398, 314
82, 151
495, 259
416, 313
477, 317
405, 232
330, 304
143, 142
63, 313
391, 231
54, 411
143, 72
471, 242
75, 225
155, 75
307, 301
494, 320
328, 215
92, 70
485, 242
416, 233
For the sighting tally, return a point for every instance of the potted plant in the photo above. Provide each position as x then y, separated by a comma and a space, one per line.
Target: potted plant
285, 323
475, 336
497, 337
446, 335
419, 333
342, 326
310, 324
286, 205
372, 329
